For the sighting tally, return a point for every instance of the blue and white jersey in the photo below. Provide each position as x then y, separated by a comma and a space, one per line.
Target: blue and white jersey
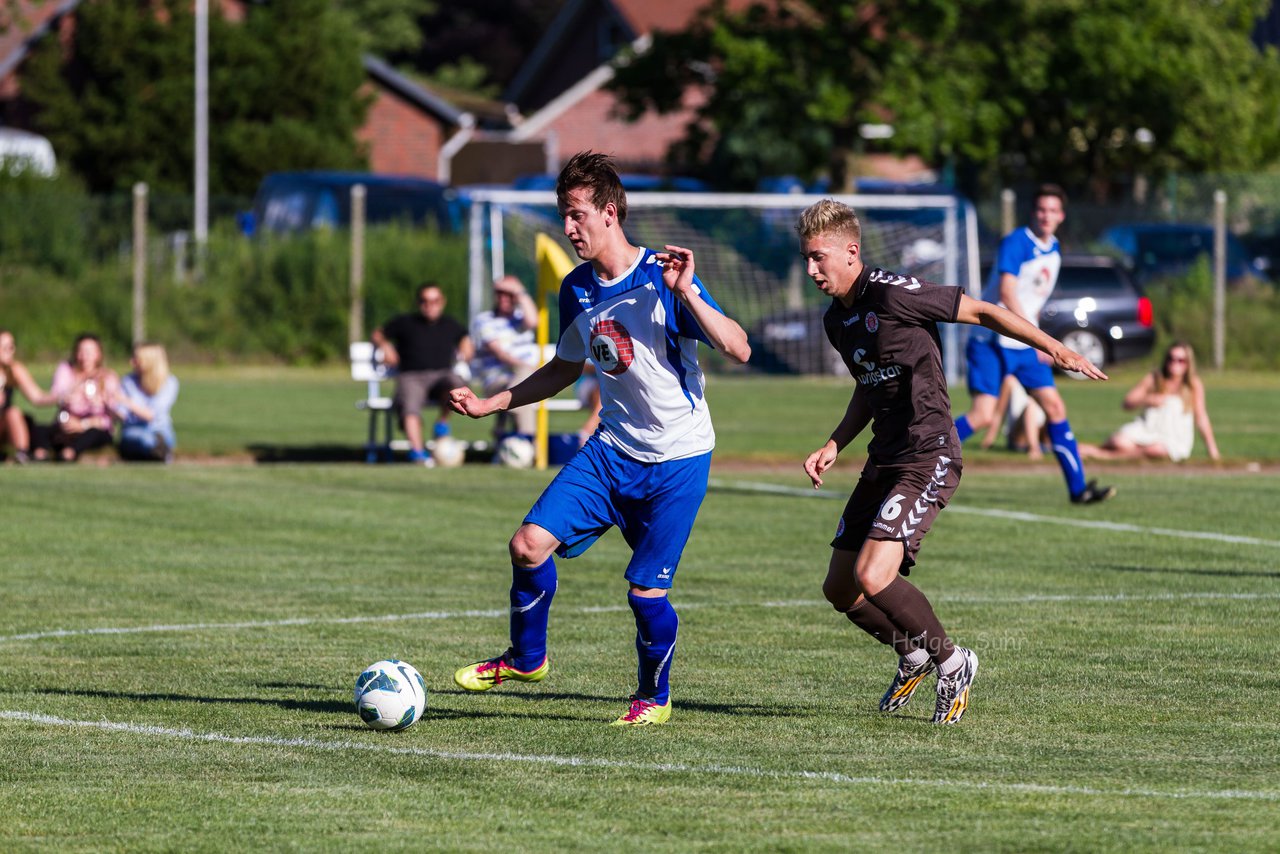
1035, 263
644, 343
510, 334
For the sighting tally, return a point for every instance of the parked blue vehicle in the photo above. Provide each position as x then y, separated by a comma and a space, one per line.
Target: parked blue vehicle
1154, 250
298, 201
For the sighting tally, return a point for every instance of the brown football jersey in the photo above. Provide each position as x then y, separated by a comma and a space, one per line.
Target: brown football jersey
889, 341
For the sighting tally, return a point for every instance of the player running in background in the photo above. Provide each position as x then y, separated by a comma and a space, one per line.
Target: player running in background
638, 315
885, 327
1025, 275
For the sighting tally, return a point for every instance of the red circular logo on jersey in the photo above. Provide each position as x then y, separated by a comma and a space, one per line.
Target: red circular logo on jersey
873, 322
611, 347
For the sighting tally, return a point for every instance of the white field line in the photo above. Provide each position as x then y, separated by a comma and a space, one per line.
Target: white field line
607, 609
644, 767
1119, 527
1033, 598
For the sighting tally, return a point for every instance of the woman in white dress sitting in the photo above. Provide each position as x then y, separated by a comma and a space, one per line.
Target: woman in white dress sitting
1172, 402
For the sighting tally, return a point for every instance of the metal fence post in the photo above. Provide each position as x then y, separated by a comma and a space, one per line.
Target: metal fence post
1219, 278
139, 262
1007, 216
355, 329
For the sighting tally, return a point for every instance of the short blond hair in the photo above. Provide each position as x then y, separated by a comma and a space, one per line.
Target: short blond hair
827, 217
153, 367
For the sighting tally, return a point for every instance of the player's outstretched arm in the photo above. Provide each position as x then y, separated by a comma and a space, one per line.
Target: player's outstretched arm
724, 333
551, 378
1005, 322
856, 417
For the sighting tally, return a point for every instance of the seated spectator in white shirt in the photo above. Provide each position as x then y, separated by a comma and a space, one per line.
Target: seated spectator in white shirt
507, 349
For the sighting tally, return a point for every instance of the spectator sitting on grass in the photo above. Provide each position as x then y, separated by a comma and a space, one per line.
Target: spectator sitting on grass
148, 395
1172, 402
87, 392
15, 425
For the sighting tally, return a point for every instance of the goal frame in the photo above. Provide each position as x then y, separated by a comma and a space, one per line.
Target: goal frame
487, 255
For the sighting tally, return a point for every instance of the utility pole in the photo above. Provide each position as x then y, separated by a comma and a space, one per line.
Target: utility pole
201, 225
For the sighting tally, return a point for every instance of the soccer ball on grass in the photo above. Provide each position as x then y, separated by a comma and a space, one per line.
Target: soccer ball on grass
448, 452
390, 695
516, 452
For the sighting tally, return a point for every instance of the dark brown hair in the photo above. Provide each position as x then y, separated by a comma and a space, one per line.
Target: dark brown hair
1050, 190
596, 173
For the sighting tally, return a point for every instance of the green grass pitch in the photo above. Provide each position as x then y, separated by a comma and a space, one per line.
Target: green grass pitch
178, 647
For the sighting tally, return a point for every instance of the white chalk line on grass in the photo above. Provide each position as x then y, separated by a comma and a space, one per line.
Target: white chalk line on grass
1033, 598
606, 609
1016, 515
648, 767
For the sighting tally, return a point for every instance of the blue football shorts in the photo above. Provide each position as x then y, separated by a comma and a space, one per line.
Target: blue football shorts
986, 368
1026, 366
988, 364
652, 504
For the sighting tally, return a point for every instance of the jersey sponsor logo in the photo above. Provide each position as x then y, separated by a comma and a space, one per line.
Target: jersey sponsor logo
872, 322
584, 300
879, 375
873, 375
611, 347
852, 320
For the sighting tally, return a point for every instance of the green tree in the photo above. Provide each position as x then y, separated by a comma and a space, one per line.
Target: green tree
787, 84
119, 107
1115, 87
1077, 91
390, 26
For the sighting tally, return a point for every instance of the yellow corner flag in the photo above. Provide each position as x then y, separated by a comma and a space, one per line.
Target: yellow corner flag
553, 265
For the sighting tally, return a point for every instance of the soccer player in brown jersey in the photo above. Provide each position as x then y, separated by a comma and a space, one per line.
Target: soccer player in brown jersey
884, 326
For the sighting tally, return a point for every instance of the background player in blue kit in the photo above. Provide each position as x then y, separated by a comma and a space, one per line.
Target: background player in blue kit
638, 315
1025, 275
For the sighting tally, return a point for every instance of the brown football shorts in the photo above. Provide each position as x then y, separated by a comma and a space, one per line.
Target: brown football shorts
897, 503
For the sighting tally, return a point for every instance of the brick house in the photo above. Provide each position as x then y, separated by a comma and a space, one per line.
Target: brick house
561, 87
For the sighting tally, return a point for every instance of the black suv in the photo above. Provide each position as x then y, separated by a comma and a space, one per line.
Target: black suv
1099, 311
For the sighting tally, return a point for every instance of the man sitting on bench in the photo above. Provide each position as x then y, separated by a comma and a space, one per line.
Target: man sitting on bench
424, 346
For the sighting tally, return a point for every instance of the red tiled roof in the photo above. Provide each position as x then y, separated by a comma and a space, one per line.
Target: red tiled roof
645, 16
593, 123
21, 19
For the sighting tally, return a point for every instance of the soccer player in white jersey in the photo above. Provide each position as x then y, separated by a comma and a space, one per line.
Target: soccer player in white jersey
1026, 273
638, 315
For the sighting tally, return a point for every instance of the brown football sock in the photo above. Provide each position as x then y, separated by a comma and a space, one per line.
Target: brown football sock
876, 623
909, 610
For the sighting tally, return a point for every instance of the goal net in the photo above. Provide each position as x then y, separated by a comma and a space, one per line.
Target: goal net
747, 253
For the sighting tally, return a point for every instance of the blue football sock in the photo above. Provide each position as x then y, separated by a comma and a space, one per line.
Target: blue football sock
1064, 448
532, 590
656, 627
963, 430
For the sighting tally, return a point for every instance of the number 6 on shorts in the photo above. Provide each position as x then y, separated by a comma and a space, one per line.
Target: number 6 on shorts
892, 507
